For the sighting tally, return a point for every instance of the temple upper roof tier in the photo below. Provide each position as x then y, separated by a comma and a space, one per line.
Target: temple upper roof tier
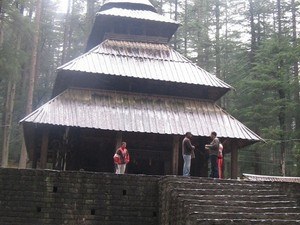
129, 19
131, 4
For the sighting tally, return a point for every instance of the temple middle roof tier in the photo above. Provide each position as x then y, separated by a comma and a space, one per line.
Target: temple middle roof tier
142, 61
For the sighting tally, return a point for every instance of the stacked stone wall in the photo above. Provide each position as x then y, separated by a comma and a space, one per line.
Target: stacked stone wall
42, 197
45, 197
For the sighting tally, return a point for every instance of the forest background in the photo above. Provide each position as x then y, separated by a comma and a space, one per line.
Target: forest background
252, 45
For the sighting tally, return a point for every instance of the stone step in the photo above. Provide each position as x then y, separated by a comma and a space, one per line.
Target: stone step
212, 201
216, 186
245, 222
198, 191
231, 198
218, 208
240, 203
203, 180
240, 215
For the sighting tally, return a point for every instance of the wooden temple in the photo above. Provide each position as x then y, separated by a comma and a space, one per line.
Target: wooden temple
130, 85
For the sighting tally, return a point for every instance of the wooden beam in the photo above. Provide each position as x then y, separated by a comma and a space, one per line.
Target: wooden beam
34, 157
175, 154
44, 148
118, 140
234, 161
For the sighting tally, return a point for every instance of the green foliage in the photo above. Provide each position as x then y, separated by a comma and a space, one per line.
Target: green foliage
258, 80
9, 62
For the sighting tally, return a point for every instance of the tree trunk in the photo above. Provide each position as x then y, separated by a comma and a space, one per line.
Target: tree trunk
296, 67
66, 32
7, 123
282, 124
90, 10
207, 40
185, 28
176, 18
226, 54
1, 22
217, 48
23, 157
70, 31
253, 33
253, 48
282, 96
9, 105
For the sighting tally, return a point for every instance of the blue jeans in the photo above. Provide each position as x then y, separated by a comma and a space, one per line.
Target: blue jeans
186, 165
214, 172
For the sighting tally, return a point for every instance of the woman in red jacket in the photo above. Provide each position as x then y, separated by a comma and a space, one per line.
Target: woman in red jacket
121, 159
221, 161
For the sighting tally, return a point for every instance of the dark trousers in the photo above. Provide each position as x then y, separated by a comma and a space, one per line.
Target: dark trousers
214, 173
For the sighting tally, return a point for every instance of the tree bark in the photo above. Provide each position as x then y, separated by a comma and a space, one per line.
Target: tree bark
23, 157
296, 67
7, 123
9, 103
185, 28
176, 18
90, 10
66, 32
282, 96
217, 48
253, 33
1, 22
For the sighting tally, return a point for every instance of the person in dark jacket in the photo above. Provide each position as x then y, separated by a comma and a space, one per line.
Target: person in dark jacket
213, 148
187, 151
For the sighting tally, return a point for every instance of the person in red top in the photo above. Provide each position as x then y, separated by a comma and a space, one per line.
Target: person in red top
220, 161
121, 159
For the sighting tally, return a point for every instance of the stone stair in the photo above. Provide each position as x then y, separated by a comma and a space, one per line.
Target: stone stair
197, 201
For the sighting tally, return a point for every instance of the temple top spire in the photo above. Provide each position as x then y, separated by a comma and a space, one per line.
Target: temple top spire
129, 4
130, 20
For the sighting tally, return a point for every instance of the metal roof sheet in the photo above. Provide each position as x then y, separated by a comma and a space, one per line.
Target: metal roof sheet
140, 2
254, 177
138, 113
142, 60
128, 2
136, 14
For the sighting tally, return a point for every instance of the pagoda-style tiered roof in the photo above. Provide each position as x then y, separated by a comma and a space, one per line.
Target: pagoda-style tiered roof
127, 112
128, 18
136, 14
135, 4
147, 61
131, 82
144, 61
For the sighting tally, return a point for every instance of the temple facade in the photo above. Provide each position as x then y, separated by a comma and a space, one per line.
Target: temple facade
130, 85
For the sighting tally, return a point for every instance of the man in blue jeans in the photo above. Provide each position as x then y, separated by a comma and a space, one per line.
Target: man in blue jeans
187, 149
213, 148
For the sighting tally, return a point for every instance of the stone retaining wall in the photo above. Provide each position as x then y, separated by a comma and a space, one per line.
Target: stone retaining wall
43, 197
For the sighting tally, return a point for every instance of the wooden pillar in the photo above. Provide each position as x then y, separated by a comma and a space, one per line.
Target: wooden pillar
44, 148
234, 161
175, 154
118, 140
34, 157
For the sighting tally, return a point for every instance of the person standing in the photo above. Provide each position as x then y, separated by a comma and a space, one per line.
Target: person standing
187, 151
220, 161
121, 159
213, 148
